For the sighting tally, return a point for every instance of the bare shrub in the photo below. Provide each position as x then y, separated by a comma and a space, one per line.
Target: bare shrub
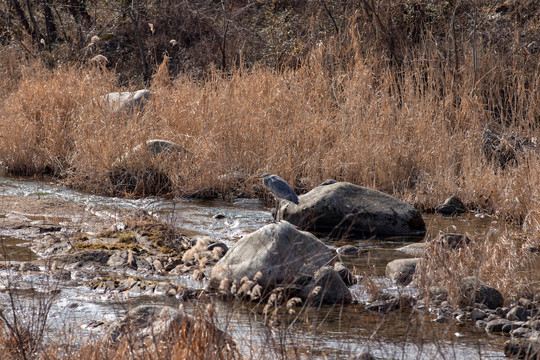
24, 321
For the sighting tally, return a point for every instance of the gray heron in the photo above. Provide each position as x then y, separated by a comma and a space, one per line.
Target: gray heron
279, 188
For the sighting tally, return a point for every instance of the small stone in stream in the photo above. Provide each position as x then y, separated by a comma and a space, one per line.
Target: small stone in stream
496, 326
507, 328
363, 356
518, 313
477, 314
349, 250
25, 266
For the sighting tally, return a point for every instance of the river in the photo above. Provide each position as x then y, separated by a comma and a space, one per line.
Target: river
324, 333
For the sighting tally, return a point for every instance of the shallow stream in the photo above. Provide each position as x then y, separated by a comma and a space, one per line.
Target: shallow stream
326, 333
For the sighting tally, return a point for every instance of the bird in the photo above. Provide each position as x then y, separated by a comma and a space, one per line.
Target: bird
279, 188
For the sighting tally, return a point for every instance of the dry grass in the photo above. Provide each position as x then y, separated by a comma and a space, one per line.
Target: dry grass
415, 132
503, 261
191, 340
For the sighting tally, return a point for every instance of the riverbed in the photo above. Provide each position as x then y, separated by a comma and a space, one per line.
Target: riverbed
319, 333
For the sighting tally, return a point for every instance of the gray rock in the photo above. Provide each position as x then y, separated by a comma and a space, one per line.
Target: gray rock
478, 314
391, 303
523, 332
143, 322
502, 311
452, 205
473, 290
496, 326
348, 278
348, 250
415, 249
514, 325
122, 259
453, 241
518, 313
126, 100
327, 287
533, 324
218, 244
401, 271
84, 258
46, 226
342, 209
280, 252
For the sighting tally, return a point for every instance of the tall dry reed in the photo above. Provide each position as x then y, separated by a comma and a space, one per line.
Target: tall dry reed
415, 131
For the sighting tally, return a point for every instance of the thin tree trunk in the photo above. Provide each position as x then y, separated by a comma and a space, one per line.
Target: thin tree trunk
24, 21
50, 26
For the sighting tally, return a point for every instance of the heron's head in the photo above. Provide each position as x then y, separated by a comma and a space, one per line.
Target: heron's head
263, 176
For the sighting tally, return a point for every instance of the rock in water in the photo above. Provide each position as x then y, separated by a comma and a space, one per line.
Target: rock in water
280, 252
340, 209
327, 287
452, 205
402, 271
474, 291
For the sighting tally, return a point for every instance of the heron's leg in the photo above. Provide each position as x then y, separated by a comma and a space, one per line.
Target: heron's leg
276, 211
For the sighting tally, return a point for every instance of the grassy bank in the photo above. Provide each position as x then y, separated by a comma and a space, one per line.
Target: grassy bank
418, 132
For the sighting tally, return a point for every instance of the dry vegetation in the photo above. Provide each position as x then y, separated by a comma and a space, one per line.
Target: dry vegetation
197, 340
411, 98
492, 259
417, 132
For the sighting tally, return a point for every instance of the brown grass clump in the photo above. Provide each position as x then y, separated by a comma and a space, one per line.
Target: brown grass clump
197, 339
501, 261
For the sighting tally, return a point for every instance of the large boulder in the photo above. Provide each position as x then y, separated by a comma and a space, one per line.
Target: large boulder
279, 252
341, 209
126, 100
